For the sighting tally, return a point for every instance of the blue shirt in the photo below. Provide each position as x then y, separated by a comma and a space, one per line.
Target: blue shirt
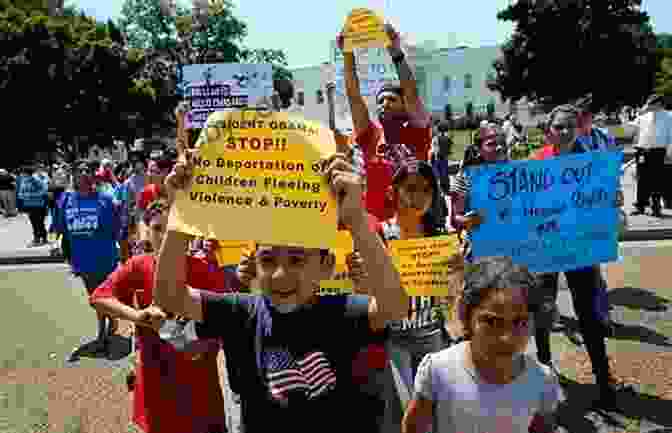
599, 139
92, 224
33, 191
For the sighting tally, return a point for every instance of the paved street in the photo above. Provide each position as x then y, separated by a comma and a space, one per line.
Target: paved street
15, 235
641, 222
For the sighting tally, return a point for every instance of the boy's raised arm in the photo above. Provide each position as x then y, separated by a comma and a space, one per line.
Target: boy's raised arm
391, 298
170, 290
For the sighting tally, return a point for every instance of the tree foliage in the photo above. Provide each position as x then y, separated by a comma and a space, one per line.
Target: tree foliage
167, 42
664, 78
221, 41
67, 75
664, 40
561, 50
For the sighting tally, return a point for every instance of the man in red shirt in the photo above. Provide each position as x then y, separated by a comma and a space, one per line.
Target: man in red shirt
402, 120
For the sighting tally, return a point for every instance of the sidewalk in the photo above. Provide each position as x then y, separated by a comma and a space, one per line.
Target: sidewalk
643, 227
15, 235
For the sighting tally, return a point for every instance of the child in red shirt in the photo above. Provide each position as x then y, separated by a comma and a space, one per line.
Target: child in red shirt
175, 392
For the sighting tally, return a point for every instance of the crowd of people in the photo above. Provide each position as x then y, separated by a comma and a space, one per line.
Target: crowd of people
296, 360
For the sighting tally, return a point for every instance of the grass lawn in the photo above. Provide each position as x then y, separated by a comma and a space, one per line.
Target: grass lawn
45, 315
48, 314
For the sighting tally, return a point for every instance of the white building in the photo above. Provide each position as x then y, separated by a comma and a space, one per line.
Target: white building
452, 76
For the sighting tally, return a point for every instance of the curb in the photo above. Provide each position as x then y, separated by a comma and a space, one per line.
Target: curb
643, 235
30, 260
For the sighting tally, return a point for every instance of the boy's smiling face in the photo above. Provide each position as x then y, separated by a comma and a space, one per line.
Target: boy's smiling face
288, 274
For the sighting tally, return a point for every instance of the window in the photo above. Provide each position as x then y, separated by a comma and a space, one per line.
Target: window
468, 81
447, 83
300, 98
320, 96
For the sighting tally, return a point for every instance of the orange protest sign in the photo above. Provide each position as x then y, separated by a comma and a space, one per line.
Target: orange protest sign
429, 266
364, 29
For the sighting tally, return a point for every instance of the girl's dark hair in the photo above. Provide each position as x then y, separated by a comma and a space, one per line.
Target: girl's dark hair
487, 275
434, 221
392, 88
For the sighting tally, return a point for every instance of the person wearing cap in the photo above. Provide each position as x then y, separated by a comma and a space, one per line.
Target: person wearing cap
402, 119
655, 143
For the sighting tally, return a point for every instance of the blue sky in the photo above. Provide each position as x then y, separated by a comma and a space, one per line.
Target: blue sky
304, 28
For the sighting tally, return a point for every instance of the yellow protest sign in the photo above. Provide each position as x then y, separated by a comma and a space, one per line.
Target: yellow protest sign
230, 252
429, 266
342, 250
364, 29
258, 177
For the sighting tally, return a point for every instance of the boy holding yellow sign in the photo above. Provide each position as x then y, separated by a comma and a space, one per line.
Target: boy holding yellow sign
288, 332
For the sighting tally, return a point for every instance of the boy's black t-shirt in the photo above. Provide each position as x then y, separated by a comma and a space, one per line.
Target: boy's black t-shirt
293, 371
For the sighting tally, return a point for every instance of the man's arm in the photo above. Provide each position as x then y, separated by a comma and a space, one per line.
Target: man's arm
358, 108
416, 108
170, 289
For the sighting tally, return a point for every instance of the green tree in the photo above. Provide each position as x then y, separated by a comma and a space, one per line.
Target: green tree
167, 42
664, 40
664, 78
220, 42
561, 50
63, 76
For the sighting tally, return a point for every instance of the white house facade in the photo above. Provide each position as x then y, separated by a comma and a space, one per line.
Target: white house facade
454, 76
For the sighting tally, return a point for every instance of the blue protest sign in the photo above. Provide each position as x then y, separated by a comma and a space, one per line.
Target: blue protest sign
553, 215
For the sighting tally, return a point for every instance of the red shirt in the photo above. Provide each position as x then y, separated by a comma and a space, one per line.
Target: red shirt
548, 151
173, 393
149, 193
379, 171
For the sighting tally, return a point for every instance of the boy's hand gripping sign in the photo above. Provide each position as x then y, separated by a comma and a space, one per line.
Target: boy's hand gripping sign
258, 177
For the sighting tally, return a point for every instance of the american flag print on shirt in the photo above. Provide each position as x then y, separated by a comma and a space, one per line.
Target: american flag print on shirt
311, 374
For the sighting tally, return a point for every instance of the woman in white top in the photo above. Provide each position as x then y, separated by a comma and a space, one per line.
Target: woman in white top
487, 384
